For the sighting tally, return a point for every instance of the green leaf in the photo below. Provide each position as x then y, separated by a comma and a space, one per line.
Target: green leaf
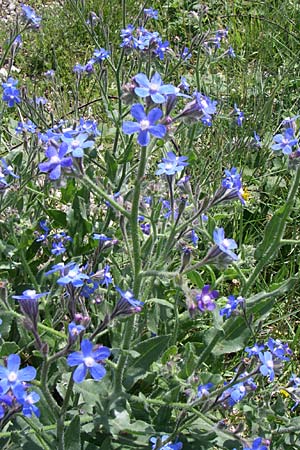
150, 350
59, 217
72, 435
272, 234
161, 301
8, 348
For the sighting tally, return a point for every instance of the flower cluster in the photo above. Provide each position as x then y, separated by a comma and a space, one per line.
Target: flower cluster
11, 94
270, 356
14, 388
231, 305
58, 240
238, 391
213, 43
99, 55
144, 41
65, 145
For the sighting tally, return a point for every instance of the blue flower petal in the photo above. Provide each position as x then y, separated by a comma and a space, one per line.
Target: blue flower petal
97, 371
80, 373
138, 112
144, 138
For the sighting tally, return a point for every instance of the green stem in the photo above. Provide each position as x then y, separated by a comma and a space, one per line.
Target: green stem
38, 432
98, 190
44, 386
134, 224
137, 265
60, 429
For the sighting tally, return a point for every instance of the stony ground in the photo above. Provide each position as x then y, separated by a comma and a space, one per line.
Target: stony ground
9, 9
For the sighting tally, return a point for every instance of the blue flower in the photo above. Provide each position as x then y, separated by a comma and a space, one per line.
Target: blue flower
11, 376
26, 126
128, 297
57, 161
29, 294
231, 305
61, 267
77, 144
168, 446
240, 115
233, 183
106, 278
79, 68
172, 164
145, 125
128, 37
194, 237
203, 389
267, 367
7, 170
30, 15
58, 248
161, 49
155, 89
88, 360
151, 13
74, 276
206, 298
100, 55
201, 108
230, 52
28, 400
29, 304
257, 445
127, 304
225, 245
49, 74
11, 95
237, 392
256, 141
279, 349
254, 351
285, 141
88, 126
185, 54
74, 331
10, 82
7, 400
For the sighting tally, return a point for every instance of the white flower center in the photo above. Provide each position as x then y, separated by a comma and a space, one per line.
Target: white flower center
30, 400
225, 243
270, 364
72, 273
12, 376
75, 144
89, 361
154, 87
54, 159
144, 124
206, 298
